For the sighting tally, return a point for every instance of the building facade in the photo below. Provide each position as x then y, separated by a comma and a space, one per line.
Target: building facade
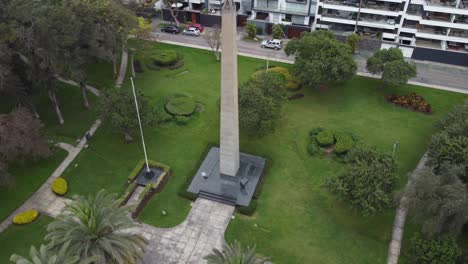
441, 24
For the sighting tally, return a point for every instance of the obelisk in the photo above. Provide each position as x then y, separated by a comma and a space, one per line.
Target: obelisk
229, 138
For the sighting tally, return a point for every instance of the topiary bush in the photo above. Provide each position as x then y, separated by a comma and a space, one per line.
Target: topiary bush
60, 186
344, 143
325, 138
313, 149
181, 106
315, 131
25, 217
165, 58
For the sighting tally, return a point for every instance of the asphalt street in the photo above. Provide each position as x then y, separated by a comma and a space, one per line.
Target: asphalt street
428, 72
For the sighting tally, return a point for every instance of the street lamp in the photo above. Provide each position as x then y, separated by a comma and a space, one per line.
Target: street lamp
148, 173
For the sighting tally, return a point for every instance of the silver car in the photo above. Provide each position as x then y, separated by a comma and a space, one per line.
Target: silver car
272, 44
191, 32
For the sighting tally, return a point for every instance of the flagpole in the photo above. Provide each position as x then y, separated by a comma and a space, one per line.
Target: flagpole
141, 128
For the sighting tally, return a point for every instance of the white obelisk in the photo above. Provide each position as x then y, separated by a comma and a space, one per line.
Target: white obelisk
229, 145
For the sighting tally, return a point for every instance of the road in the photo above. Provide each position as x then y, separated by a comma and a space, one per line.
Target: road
435, 75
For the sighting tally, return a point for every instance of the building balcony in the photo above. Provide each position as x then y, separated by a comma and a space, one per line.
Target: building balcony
293, 8
444, 24
365, 22
432, 7
383, 10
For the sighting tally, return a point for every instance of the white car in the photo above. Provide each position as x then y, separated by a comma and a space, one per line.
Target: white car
272, 44
191, 32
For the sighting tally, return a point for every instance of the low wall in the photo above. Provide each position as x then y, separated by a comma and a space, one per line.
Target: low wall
440, 56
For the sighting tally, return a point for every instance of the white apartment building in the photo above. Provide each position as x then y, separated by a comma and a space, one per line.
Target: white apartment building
441, 24
427, 23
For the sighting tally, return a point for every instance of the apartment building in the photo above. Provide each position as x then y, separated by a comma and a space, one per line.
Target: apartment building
441, 24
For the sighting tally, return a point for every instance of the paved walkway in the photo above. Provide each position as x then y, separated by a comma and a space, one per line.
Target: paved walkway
44, 200
189, 242
400, 218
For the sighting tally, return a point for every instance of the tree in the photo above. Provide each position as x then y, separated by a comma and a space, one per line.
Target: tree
368, 180
45, 256
173, 6
143, 29
251, 29
320, 58
438, 202
21, 137
260, 103
443, 250
234, 254
391, 64
97, 226
353, 42
450, 144
213, 38
118, 106
277, 31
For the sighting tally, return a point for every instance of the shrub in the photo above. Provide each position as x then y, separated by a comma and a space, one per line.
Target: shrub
325, 138
25, 217
411, 101
182, 120
313, 149
315, 131
251, 29
344, 143
443, 250
291, 83
60, 186
277, 31
181, 106
165, 58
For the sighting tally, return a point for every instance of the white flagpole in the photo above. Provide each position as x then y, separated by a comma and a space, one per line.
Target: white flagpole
141, 129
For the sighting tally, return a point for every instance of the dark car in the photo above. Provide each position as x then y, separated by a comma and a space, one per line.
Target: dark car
171, 29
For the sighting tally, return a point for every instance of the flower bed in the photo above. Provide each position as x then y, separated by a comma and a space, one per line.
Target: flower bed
411, 101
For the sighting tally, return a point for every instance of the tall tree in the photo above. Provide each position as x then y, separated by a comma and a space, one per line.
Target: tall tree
234, 254
320, 58
173, 6
97, 226
260, 103
368, 181
21, 137
391, 64
213, 38
438, 202
118, 107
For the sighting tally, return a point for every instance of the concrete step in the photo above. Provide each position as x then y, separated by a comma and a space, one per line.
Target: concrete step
218, 198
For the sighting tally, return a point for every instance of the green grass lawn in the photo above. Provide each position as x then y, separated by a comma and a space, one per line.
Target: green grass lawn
30, 175
297, 220
18, 239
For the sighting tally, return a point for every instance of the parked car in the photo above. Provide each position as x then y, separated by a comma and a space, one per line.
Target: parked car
191, 31
171, 29
198, 26
272, 44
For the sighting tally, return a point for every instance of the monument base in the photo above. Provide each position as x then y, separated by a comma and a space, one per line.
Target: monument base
210, 184
144, 177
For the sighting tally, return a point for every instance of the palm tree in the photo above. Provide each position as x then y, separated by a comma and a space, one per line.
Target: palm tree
234, 254
45, 256
97, 226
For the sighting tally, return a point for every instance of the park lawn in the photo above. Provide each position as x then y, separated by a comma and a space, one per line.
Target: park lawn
18, 239
28, 178
30, 175
297, 221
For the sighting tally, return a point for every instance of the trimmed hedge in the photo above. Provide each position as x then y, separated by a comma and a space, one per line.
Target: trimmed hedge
128, 193
181, 106
26, 217
165, 58
152, 163
344, 143
60, 186
325, 138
